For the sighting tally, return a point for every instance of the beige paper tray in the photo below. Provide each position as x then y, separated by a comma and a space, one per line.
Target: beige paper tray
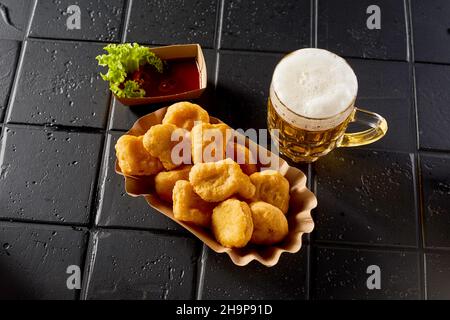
172, 52
299, 215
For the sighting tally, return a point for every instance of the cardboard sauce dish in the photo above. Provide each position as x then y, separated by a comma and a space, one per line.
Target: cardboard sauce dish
167, 53
302, 201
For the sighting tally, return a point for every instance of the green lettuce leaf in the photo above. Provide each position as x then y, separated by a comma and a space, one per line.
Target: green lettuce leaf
123, 59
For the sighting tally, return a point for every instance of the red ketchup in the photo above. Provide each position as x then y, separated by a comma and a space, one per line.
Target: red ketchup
178, 76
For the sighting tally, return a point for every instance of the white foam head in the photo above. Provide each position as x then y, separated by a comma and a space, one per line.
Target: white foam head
315, 83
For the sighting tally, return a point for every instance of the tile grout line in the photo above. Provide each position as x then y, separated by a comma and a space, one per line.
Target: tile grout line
89, 261
201, 273
219, 24
416, 157
126, 20
316, 22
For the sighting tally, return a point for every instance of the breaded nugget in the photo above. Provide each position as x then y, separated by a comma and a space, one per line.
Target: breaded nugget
243, 157
209, 142
271, 187
184, 114
217, 181
158, 141
165, 181
134, 159
189, 207
269, 223
232, 223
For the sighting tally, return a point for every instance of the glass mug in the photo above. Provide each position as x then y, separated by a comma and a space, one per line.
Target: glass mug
309, 125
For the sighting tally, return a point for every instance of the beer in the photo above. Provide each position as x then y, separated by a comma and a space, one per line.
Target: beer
311, 103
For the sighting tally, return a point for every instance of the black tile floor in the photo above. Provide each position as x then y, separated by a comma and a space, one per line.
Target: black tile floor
61, 204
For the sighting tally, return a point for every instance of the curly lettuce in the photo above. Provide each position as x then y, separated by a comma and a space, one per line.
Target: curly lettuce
123, 59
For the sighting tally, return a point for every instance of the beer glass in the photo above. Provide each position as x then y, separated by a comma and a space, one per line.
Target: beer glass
312, 101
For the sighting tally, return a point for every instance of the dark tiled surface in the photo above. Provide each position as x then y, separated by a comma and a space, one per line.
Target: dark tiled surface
433, 106
438, 269
59, 87
141, 265
123, 117
242, 89
34, 260
9, 51
385, 87
431, 29
99, 20
169, 22
41, 175
436, 199
285, 281
343, 274
368, 200
271, 26
116, 208
342, 28
14, 18
354, 191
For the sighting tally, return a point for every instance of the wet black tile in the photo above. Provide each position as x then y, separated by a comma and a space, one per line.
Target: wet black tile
141, 265
438, 276
435, 172
431, 29
169, 22
34, 261
9, 51
433, 100
266, 25
14, 16
48, 176
243, 89
385, 87
116, 208
99, 20
344, 274
123, 117
286, 280
343, 29
366, 197
70, 92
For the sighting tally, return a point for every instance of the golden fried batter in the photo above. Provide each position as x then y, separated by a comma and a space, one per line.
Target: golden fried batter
232, 223
184, 114
217, 181
271, 187
189, 207
158, 141
269, 223
134, 159
209, 142
165, 181
243, 157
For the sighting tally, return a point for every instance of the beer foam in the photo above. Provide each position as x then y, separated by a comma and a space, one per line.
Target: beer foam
315, 83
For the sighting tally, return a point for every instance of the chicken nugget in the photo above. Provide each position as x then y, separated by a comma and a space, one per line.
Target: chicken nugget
209, 142
269, 223
242, 155
232, 223
189, 207
184, 114
217, 181
271, 187
134, 159
165, 181
158, 141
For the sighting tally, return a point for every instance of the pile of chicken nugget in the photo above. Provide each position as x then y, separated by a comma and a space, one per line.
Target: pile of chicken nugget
239, 204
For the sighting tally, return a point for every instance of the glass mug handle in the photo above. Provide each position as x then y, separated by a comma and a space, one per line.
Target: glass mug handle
378, 128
